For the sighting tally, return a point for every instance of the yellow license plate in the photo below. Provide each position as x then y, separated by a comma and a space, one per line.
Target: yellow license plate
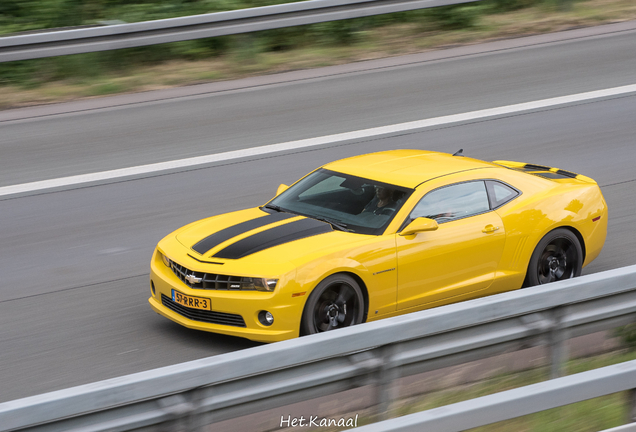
191, 302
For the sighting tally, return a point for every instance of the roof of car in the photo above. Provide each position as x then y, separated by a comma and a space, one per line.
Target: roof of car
406, 168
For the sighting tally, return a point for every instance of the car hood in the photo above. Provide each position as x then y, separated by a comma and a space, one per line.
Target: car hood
255, 234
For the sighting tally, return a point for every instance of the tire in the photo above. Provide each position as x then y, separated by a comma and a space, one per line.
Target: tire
558, 256
336, 302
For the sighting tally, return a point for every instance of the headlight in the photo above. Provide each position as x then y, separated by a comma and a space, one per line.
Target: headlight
262, 284
165, 259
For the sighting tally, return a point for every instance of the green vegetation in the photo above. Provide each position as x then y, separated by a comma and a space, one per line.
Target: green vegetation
587, 416
25, 15
30, 15
229, 57
627, 336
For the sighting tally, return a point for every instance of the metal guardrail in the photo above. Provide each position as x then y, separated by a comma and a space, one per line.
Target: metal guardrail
30, 46
189, 395
631, 427
517, 402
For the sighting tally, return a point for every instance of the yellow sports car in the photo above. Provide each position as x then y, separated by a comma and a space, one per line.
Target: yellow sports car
375, 236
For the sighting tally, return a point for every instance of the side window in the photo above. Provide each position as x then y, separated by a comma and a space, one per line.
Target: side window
453, 202
499, 193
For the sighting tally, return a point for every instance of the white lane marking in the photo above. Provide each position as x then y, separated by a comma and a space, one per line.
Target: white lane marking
310, 142
113, 251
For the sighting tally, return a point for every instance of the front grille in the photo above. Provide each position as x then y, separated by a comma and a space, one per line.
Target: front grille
203, 315
211, 281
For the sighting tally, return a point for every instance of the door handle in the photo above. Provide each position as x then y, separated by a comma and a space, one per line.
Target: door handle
489, 229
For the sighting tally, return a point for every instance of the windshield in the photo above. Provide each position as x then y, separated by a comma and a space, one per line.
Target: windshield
347, 202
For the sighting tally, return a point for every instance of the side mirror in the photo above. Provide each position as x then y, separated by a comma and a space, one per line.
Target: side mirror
282, 188
418, 225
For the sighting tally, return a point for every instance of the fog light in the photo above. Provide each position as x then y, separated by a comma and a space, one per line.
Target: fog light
152, 287
266, 318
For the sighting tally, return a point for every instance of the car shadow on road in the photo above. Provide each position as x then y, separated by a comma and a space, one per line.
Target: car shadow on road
215, 343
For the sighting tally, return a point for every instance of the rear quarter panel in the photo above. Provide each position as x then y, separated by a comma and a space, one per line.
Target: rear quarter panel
543, 206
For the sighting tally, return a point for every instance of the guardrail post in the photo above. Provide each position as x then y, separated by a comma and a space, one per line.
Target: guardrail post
631, 406
557, 344
182, 411
177, 408
385, 383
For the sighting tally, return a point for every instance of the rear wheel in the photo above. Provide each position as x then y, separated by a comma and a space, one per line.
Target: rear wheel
336, 302
558, 256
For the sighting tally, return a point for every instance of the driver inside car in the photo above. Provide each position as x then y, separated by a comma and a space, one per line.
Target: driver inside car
382, 202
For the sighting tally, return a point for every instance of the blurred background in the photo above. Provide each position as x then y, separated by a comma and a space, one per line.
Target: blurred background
229, 57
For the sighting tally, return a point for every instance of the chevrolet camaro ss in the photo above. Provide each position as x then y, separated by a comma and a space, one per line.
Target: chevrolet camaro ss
375, 236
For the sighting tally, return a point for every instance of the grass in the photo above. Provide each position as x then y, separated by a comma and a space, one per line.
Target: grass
587, 416
88, 75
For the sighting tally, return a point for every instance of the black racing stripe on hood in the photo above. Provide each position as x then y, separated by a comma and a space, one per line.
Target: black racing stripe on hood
225, 234
273, 237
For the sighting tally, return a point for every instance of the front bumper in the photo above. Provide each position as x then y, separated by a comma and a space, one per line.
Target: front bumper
287, 310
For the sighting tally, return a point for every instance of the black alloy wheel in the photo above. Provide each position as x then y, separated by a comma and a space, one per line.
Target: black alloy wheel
558, 256
335, 303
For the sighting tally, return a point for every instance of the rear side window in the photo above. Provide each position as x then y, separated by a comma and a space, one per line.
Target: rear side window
453, 202
500, 193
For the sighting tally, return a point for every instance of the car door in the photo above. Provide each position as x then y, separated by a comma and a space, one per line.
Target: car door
458, 258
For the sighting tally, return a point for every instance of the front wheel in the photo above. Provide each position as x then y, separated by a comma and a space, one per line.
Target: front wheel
558, 256
336, 302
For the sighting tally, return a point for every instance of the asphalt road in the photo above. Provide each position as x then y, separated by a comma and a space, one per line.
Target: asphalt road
74, 266
227, 116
